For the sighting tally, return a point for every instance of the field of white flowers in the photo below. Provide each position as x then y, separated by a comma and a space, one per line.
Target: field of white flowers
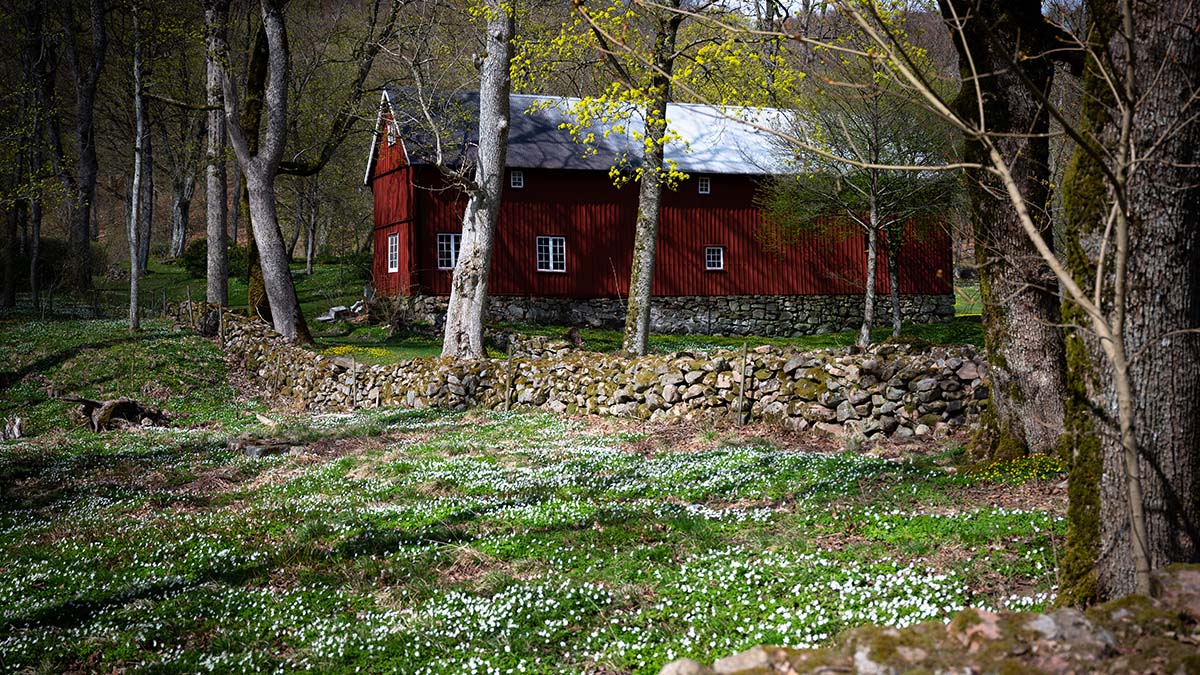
424, 542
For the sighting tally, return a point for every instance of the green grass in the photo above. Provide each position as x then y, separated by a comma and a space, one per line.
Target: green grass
967, 301
436, 542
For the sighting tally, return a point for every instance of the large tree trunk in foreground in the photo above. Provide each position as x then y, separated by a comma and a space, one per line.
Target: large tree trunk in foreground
468, 290
1162, 305
1019, 294
216, 16
645, 235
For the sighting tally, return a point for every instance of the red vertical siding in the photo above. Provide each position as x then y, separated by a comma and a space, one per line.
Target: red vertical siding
597, 220
392, 186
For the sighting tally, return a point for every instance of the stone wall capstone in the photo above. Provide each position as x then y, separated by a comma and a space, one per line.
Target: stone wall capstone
768, 315
888, 391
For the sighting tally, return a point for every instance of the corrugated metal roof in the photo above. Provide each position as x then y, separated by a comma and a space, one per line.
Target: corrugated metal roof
712, 139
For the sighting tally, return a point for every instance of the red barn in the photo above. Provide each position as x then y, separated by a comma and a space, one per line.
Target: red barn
564, 239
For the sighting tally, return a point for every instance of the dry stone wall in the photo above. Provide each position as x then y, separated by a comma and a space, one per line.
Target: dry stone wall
892, 390
770, 315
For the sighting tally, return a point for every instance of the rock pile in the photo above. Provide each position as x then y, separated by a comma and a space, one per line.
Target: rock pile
891, 390
1160, 634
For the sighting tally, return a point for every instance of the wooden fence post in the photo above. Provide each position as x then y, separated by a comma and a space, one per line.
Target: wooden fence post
191, 322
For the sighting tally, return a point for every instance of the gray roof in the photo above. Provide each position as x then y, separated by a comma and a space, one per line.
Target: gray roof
713, 139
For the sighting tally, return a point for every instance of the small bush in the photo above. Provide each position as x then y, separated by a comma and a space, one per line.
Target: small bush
195, 259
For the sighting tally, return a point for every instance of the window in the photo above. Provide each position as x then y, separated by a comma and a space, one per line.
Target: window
393, 253
516, 179
552, 254
448, 244
704, 184
391, 134
714, 258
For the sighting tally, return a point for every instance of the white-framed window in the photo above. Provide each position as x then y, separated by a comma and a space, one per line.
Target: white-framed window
448, 244
393, 253
714, 257
391, 133
552, 254
704, 185
516, 179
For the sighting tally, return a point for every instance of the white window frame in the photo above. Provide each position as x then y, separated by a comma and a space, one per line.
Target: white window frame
704, 185
516, 179
391, 134
452, 240
555, 249
709, 258
393, 253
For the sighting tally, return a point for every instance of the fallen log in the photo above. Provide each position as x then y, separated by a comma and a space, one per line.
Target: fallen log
118, 413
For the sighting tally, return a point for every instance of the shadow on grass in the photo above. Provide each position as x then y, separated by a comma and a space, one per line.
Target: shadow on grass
76, 612
10, 377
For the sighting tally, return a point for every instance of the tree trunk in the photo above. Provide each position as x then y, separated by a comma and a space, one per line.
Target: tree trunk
80, 189
146, 214
259, 167
35, 250
893, 261
868, 324
1019, 295
295, 238
468, 291
141, 135
645, 235
235, 210
8, 295
276, 275
216, 16
1162, 306
310, 238
181, 205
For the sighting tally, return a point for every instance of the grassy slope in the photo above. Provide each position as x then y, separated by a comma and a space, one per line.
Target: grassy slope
422, 542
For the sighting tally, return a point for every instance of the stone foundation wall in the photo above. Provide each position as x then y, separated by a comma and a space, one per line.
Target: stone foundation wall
770, 315
890, 390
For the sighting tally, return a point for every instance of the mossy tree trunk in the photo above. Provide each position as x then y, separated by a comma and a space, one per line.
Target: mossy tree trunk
645, 236
1160, 308
1021, 315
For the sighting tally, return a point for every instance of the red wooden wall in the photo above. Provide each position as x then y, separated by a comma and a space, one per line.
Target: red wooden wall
392, 186
597, 220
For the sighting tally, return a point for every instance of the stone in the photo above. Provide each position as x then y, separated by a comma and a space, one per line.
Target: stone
793, 364
753, 661
693, 376
845, 412
926, 384
968, 372
894, 393
685, 667
1178, 587
922, 430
